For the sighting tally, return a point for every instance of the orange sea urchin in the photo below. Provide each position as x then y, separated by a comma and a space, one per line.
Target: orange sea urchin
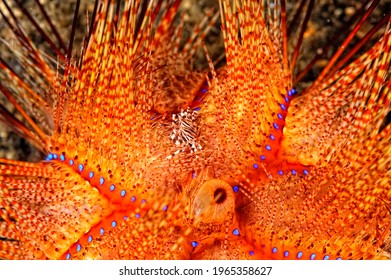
147, 158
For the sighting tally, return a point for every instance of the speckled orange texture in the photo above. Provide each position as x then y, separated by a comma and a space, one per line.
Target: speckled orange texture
148, 159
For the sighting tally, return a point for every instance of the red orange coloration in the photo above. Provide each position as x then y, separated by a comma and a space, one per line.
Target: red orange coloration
149, 159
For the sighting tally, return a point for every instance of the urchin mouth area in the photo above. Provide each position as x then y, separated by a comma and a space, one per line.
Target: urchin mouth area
220, 195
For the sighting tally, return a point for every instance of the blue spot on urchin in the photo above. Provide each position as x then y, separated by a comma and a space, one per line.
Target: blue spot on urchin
49, 157
251, 253
101, 181
283, 107
101, 231
90, 238
133, 199
68, 256
272, 137
235, 189
294, 172
262, 157
274, 250
71, 162
275, 125
81, 167
286, 254
326, 257
62, 157
165, 207
194, 244
91, 174
112, 187
305, 172
255, 166
236, 232
137, 215
268, 148
123, 193
78, 247
299, 254
113, 224
312, 257
280, 172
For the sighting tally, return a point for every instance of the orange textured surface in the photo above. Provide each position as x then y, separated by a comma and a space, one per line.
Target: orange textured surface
148, 159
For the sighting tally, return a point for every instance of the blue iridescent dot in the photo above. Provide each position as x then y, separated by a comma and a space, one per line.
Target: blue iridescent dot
55, 156
268, 148
113, 224
125, 218
294, 172
62, 157
90, 238
78, 247
251, 253
137, 215
194, 244
133, 199
165, 207
68, 256
299, 254
283, 107
286, 254
101, 181
197, 109
143, 201
112, 187
305, 172
280, 172
274, 250
101, 231
272, 137
280, 116
326, 257
91, 174
255, 165
71, 162
235, 188
203, 90
81, 167
262, 157
50, 156
193, 175
294, 91
289, 93
339, 258
236, 232
123, 193
312, 257
286, 99
276, 126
